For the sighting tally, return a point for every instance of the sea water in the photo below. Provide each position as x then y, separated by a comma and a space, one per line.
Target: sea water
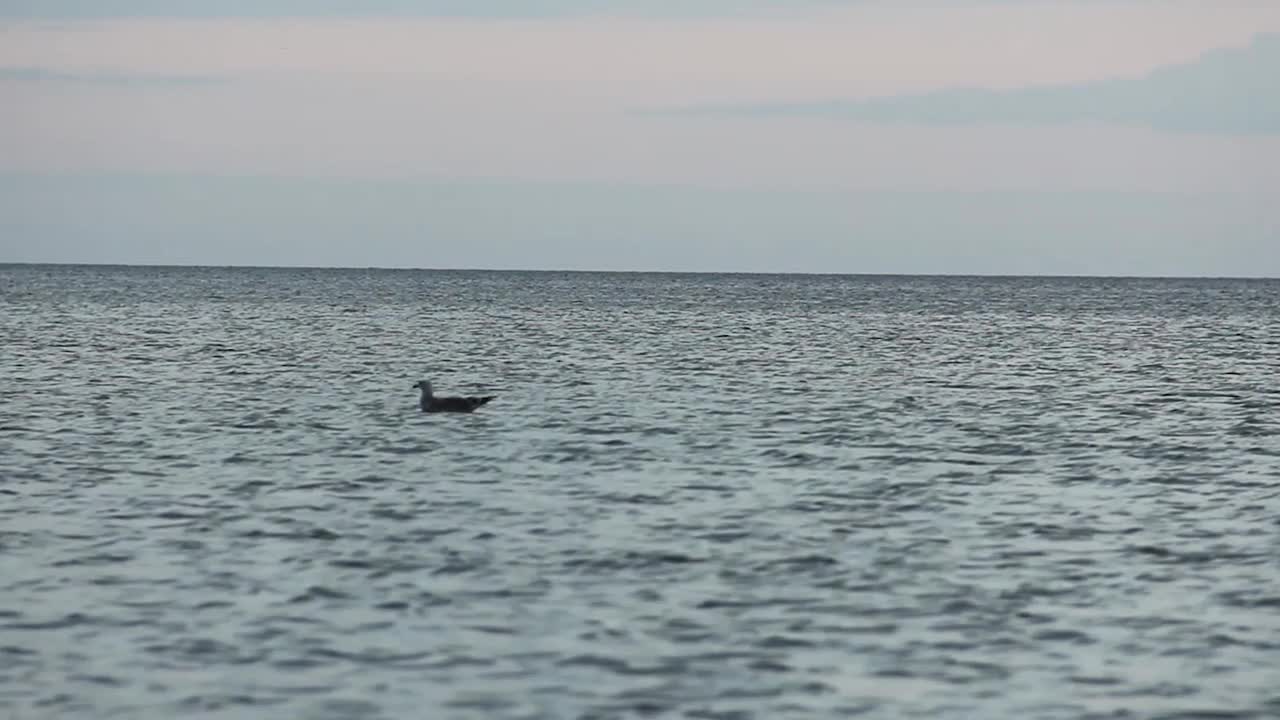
695, 496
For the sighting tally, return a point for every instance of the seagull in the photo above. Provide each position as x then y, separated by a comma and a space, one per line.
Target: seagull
432, 404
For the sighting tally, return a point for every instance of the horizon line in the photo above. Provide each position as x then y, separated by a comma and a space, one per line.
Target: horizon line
581, 271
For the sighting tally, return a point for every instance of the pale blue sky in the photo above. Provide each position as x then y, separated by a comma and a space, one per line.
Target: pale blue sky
1047, 136
593, 226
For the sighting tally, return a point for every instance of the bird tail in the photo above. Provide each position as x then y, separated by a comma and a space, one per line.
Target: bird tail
484, 399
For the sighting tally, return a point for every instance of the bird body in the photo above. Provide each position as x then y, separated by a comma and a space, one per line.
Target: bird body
429, 402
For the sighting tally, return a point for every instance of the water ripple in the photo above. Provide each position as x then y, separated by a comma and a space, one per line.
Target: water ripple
696, 496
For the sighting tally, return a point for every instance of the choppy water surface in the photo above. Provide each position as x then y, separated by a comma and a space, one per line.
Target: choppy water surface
695, 497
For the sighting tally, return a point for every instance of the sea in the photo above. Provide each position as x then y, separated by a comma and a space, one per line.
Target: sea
722, 497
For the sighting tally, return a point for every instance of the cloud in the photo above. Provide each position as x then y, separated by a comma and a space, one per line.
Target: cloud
37, 75
1229, 91
79, 9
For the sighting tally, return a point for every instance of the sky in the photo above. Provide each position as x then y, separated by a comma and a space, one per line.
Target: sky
1095, 137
